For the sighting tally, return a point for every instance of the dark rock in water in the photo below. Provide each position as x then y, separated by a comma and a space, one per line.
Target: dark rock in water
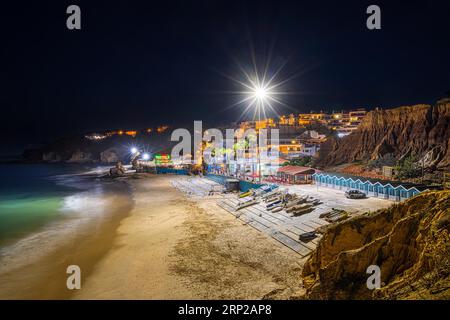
409, 242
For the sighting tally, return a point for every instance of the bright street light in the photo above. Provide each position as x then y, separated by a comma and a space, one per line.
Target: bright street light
134, 150
260, 93
261, 90
145, 156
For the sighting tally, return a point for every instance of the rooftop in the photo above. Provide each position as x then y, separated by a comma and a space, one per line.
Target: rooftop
295, 169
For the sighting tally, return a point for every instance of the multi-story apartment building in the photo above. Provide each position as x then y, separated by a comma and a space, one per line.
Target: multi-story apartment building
338, 121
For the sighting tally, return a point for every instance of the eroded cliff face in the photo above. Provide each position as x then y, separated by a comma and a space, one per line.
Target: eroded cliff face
410, 242
421, 129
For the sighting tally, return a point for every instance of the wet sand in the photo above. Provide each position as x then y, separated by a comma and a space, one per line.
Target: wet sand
170, 247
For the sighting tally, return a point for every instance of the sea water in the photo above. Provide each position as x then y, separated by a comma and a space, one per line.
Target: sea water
42, 205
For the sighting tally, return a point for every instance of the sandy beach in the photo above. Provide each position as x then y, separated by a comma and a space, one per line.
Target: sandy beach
171, 247
155, 243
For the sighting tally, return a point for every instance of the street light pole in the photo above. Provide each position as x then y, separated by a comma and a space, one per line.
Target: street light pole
259, 163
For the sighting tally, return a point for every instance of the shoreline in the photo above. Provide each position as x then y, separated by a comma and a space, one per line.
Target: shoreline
136, 265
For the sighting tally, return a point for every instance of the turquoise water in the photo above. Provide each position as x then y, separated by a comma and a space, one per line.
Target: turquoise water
31, 196
44, 208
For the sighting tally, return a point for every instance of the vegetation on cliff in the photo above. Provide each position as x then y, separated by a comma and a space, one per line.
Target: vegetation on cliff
409, 241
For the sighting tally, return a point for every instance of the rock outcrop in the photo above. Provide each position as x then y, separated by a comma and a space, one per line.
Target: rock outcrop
80, 157
110, 155
415, 129
410, 242
79, 149
51, 157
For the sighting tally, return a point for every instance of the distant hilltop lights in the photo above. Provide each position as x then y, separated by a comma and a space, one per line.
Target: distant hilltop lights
132, 133
343, 123
95, 136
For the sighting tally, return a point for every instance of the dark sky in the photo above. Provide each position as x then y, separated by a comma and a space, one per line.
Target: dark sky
139, 63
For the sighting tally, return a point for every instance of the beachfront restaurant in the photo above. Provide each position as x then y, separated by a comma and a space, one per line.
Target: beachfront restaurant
295, 174
390, 190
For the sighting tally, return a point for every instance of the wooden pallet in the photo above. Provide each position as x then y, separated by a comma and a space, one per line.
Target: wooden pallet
198, 188
279, 225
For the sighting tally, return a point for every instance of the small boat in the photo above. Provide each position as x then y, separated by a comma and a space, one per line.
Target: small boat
277, 209
273, 204
246, 204
280, 205
271, 196
301, 212
332, 213
299, 207
337, 218
267, 189
246, 194
263, 190
294, 202
290, 204
316, 202
274, 200
307, 236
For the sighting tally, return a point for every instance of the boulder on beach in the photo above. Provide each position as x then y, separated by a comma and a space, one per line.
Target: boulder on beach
118, 170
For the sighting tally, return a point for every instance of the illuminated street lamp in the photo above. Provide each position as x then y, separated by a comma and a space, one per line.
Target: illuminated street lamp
261, 95
134, 155
145, 156
261, 91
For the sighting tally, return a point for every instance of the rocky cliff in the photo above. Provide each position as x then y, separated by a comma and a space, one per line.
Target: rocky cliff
423, 130
410, 242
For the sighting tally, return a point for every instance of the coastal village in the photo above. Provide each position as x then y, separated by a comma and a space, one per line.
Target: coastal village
300, 161
225, 154
345, 193
299, 201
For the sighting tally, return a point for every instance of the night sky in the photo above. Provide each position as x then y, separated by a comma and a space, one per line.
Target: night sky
136, 64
